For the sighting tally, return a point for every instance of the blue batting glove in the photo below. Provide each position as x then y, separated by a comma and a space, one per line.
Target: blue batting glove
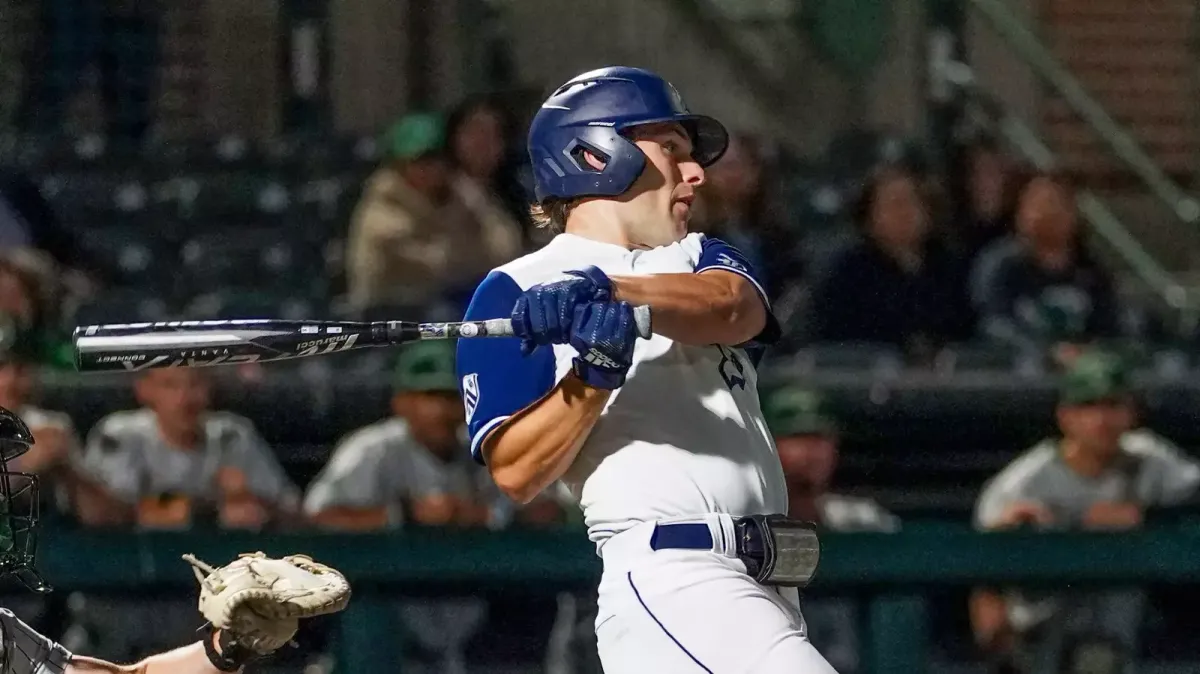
544, 313
604, 334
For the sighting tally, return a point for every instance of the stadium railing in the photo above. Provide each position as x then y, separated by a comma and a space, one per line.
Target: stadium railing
895, 572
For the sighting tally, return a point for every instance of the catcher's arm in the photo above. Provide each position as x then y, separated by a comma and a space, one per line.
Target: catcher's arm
187, 660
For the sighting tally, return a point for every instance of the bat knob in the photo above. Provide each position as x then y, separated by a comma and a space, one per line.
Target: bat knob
641, 318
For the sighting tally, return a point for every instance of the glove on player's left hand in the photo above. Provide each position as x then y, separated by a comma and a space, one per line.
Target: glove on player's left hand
260, 600
604, 333
544, 313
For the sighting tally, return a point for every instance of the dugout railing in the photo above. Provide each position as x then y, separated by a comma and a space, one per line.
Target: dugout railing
894, 573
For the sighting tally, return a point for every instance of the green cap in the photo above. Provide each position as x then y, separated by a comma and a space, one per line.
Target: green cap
1095, 376
796, 411
415, 135
426, 366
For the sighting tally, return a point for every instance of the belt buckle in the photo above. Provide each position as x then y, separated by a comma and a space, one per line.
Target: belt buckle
777, 550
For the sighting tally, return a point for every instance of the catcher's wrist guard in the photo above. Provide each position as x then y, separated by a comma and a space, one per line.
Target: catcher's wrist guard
232, 656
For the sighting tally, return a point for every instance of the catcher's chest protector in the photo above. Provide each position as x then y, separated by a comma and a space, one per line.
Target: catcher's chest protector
25, 651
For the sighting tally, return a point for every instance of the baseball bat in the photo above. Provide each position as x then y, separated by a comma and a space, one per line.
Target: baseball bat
132, 347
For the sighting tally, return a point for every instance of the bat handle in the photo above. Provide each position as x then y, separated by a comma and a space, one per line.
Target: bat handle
641, 319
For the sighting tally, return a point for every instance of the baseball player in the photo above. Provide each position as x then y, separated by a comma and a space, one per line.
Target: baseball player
807, 434
227, 647
176, 458
1101, 471
662, 440
410, 466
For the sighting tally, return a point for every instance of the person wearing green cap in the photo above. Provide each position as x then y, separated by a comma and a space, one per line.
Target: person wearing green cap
54, 431
415, 236
1100, 472
407, 467
806, 436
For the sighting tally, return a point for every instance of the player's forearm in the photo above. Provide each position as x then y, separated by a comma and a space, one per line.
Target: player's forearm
532, 450
714, 307
187, 660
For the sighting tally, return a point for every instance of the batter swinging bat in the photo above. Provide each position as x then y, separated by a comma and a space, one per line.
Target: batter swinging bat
129, 347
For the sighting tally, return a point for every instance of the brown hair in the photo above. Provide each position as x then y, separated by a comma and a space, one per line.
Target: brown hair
551, 214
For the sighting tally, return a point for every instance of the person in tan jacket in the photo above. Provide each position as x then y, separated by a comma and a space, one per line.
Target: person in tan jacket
417, 235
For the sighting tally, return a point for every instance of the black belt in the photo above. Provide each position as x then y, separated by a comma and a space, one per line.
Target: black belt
775, 550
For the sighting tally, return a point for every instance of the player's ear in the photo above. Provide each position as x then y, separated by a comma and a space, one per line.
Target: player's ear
593, 160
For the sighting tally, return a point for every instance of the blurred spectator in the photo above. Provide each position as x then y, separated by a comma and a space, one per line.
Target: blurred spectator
55, 439
411, 466
1041, 287
413, 239
984, 210
118, 37
479, 135
806, 436
27, 308
175, 461
1099, 474
897, 284
735, 206
414, 467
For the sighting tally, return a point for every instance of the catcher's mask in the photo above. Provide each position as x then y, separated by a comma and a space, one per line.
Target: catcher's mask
18, 505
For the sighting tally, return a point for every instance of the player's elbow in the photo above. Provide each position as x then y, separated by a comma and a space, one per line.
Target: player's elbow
519, 485
739, 310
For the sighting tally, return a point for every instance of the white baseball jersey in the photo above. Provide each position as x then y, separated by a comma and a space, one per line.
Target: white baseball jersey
684, 436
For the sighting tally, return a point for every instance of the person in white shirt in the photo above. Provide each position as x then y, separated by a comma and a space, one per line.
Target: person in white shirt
661, 440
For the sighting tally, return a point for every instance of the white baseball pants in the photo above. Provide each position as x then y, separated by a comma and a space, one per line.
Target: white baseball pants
695, 611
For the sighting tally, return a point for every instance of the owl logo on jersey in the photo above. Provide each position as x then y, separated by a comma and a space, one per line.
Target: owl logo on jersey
731, 368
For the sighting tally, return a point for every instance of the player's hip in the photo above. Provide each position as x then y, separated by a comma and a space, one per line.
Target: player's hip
771, 549
715, 555
683, 610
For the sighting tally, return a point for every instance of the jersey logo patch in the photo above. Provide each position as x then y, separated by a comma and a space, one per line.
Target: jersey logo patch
470, 385
727, 260
731, 368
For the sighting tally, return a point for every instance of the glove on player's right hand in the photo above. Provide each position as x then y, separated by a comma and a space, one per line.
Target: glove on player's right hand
604, 334
543, 314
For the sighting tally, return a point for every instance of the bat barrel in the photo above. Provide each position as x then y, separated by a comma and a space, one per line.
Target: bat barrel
140, 346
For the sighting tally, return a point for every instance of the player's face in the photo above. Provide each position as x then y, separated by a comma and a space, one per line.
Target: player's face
178, 395
1097, 428
658, 206
808, 460
434, 417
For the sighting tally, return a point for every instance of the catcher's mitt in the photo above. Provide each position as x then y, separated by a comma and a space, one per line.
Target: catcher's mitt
260, 600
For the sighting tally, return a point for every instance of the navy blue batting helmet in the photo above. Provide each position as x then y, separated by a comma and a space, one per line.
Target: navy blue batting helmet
590, 112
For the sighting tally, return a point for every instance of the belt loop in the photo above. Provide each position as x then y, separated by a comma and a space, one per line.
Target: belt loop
724, 534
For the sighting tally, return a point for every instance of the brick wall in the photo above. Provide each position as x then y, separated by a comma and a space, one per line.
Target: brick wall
1138, 59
